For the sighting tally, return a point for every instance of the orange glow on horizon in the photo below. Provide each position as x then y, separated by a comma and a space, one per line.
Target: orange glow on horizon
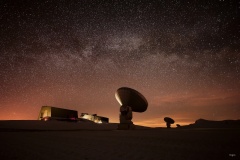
183, 108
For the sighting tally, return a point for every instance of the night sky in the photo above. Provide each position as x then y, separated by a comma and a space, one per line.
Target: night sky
182, 55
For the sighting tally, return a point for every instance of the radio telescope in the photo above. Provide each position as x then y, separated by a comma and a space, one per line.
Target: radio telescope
169, 121
130, 101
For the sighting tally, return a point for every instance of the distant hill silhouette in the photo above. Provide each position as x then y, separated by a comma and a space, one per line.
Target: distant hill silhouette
202, 123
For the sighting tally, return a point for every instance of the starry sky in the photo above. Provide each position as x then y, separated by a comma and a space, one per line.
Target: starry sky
182, 55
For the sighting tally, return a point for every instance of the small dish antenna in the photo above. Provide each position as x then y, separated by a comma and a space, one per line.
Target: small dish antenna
169, 121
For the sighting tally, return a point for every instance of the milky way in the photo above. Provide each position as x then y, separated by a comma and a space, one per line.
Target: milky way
183, 56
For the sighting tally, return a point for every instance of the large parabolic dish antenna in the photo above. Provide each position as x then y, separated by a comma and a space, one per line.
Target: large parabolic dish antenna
130, 97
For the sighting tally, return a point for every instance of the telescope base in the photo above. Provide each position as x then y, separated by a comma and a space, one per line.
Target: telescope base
126, 126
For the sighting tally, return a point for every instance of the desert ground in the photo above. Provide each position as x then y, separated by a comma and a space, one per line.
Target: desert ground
38, 140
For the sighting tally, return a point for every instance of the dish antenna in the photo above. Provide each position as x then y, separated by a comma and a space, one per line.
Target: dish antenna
169, 121
130, 101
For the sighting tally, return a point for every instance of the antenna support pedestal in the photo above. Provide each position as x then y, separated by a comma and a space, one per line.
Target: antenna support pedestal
125, 118
126, 126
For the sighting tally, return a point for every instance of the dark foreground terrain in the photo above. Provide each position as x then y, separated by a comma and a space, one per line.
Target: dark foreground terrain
161, 143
